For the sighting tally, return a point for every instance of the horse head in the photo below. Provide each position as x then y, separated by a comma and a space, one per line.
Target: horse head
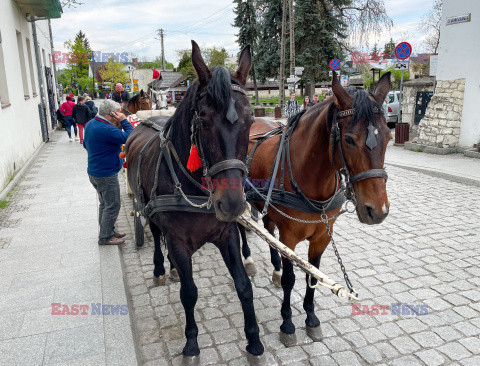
358, 147
144, 101
223, 120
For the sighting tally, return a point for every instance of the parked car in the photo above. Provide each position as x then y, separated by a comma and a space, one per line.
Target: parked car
393, 106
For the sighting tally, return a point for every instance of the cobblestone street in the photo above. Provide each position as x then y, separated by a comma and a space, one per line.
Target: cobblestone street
425, 253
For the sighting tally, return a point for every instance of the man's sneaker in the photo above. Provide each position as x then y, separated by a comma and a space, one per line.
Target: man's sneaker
113, 241
119, 236
71, 139
77, 139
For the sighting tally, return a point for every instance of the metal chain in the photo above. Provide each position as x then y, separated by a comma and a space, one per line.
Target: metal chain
207, 204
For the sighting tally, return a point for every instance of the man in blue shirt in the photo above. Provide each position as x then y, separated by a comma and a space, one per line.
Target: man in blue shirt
103, 140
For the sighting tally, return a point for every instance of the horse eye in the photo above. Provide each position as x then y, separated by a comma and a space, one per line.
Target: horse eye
350, 140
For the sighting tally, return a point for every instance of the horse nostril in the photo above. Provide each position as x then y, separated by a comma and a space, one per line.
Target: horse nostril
370, 211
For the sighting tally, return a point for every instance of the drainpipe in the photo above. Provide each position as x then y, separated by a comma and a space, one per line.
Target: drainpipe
54, 66
37, 59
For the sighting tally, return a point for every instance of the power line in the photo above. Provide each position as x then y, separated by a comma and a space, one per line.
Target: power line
203, 19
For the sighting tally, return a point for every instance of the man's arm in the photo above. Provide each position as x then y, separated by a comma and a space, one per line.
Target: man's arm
119, 136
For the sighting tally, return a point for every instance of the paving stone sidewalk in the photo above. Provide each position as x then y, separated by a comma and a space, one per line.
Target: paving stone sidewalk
49, 254
425, 253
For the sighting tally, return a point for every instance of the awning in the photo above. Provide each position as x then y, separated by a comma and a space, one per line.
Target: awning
41, 8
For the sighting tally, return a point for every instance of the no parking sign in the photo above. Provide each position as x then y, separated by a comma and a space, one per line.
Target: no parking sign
403, 50
334, 64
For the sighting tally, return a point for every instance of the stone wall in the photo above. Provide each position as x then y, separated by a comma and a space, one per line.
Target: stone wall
441, 125
410, 89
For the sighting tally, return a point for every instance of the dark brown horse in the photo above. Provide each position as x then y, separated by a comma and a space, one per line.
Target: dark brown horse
139, 102
362, 136
215, 113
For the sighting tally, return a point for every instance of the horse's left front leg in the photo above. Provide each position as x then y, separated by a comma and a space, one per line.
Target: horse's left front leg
247, 254
229, 246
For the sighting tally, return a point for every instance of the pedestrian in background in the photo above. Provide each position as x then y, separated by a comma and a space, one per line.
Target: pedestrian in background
315, 99
306, 103
67, 109
120, 95
103, 140
291, 107
81, 115
90, 104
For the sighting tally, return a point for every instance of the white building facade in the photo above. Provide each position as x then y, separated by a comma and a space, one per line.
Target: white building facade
452, 119
24, 84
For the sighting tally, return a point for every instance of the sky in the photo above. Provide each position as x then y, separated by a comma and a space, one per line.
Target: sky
131, 26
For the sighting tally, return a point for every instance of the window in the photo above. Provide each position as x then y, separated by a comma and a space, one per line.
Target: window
30, 64
4, 100
21, 54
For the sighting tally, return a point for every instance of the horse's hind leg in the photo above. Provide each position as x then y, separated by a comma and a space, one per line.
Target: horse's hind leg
159, 277
173, 271
274, 256
188, 295
230, 250
249, 264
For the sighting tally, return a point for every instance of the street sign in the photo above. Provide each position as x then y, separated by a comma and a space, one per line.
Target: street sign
293, 79
401, 65
127, 88
403, 50
334, 64
299, 70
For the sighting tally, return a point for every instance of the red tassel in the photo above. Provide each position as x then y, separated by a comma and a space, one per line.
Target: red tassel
194, 162
124, 164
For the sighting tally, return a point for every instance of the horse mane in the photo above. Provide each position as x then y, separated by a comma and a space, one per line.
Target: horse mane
218, 90
364, 108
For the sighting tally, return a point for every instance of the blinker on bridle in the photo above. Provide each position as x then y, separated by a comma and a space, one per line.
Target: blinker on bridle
232, 117
371, 143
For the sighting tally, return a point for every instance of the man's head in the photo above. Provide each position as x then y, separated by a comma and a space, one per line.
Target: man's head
80, 100
109, 106
315, 98
119, 87
292, 96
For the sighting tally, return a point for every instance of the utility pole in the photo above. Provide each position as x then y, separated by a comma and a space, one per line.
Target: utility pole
282, 55
161, 34
292, 40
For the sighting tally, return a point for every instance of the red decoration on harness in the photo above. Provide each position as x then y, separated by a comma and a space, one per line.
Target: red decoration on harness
124, 164
156, 74
194, 162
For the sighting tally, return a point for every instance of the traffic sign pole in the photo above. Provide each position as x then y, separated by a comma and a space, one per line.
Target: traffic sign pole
403, 50
401, 98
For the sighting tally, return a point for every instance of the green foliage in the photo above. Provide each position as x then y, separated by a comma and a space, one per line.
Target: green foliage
113, 72
79, 56
3, 203
185, 65
84, 83
367, 82
389, 49
157, 64
214, 57
397, 75
267, 55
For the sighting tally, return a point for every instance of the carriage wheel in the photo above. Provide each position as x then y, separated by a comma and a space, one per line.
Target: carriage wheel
139, 231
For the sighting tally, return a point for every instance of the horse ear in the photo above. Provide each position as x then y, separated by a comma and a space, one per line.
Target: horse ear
383, 87
141, 92
343, 99
203, 73
244, 65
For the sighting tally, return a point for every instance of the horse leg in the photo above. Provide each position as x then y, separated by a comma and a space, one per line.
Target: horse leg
173, 271
288, 280
312, 322
159, 277
230, 250
249, 264
274, 256
188, 296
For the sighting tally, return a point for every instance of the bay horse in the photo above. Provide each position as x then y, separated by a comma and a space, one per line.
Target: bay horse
215, 114
360, 137
139, 102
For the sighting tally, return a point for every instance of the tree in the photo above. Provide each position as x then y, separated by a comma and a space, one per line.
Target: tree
267, 56
430, 26
389, 49
156, 64
396, 75
113, 72
246, 21
374, 55
214, 57
79, 56
185, 66
317, 32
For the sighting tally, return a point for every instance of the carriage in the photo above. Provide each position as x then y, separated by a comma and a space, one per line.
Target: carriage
172, 164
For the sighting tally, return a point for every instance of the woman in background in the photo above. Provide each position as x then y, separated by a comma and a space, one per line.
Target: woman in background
67, 109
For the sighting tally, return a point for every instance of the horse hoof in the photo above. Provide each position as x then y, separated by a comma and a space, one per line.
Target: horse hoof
256, 360
315, 333
288, 340
132, 213
159, 281
174, 275
250, 267
277, 278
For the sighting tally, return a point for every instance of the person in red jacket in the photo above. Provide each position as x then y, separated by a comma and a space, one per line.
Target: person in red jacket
67, 110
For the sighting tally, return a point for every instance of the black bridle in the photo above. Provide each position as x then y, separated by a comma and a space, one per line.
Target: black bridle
196, 139
335, 139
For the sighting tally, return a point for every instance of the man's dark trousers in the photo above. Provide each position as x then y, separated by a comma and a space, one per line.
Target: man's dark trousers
108, 190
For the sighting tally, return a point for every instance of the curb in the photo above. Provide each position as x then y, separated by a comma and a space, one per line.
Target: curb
437, 174
21, 172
